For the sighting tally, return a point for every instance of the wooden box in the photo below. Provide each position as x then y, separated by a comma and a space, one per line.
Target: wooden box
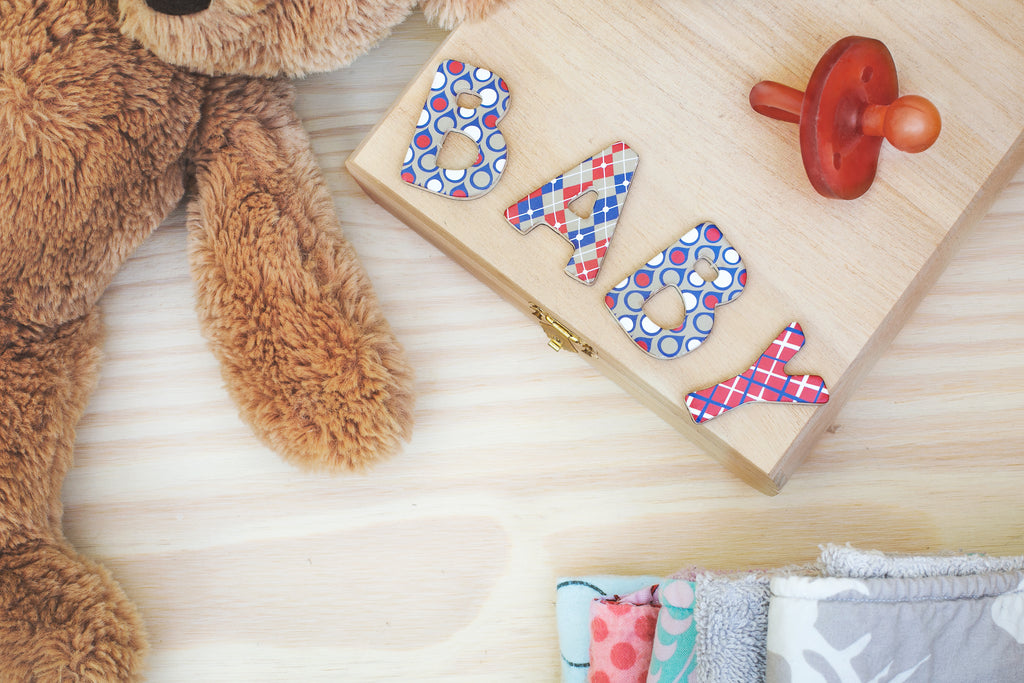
671, 78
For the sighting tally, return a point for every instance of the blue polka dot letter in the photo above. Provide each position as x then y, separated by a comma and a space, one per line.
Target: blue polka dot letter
675, 267
463, 100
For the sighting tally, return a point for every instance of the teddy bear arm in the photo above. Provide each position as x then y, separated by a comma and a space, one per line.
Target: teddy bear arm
287, 307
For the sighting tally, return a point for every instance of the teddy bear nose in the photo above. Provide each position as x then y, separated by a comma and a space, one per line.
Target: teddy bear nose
178, 7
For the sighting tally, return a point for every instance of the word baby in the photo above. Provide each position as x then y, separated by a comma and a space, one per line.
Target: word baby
470, 102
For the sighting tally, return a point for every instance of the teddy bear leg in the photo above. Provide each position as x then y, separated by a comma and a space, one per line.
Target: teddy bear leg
62, 617
305, 349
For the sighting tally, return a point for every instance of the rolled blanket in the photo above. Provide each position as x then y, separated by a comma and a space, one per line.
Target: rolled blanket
932, 629
731, 614
845, 561
572, 611
673, 656
622, 636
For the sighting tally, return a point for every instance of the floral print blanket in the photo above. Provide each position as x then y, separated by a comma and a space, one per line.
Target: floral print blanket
928, 629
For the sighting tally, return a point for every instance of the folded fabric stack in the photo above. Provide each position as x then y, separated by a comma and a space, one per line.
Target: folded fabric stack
855, 615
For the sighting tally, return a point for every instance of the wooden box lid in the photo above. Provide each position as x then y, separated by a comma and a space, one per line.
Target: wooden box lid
671, 79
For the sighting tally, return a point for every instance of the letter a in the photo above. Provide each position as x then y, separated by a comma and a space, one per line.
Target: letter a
608, 176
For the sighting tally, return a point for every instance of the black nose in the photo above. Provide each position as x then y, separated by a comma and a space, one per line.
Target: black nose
178, 7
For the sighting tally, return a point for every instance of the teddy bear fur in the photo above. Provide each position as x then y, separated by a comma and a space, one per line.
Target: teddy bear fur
109, 112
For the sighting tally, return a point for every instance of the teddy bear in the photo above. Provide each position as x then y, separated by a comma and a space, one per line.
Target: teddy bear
110, 112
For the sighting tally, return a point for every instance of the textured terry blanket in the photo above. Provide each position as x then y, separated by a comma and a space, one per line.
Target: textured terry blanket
731, 614
847, 561
929, 629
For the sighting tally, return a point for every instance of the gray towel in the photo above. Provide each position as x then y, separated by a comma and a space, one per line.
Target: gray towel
844, 561
732, 622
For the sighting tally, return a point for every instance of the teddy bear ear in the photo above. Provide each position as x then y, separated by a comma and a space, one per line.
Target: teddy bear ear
260, 37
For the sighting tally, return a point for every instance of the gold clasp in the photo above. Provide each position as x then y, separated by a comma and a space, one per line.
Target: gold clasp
559, 336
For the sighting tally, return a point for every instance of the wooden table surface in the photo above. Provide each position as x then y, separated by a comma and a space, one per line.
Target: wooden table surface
526, 465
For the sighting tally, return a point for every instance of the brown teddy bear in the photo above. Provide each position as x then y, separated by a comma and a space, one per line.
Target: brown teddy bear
109, 110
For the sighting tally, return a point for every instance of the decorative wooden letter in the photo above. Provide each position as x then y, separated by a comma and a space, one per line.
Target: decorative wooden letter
766, 380
674, 267
606, 177
463, 100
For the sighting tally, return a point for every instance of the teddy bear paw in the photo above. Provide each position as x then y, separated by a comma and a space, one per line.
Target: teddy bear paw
63, 618
330, 407
448, 13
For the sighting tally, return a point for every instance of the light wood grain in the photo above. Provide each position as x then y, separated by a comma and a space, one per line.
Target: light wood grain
671, 79
526, 465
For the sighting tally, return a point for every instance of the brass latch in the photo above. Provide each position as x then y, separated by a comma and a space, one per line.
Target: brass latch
559, 336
